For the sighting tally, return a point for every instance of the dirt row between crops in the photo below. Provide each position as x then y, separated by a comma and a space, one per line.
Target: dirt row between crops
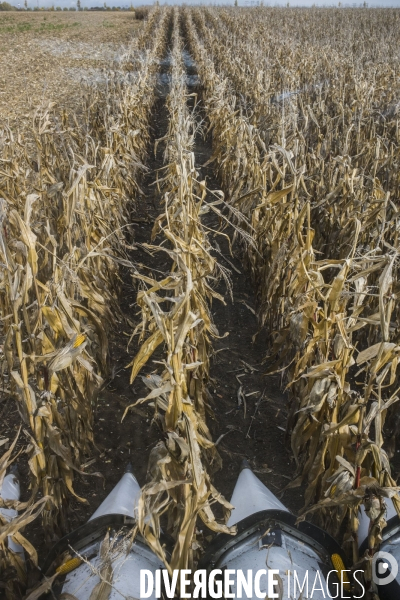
254, 431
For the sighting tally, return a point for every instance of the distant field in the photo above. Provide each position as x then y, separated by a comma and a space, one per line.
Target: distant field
44, 56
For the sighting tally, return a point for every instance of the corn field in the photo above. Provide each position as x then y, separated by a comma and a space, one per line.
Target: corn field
304, 139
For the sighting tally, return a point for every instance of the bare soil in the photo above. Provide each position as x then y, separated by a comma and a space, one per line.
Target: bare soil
44, 56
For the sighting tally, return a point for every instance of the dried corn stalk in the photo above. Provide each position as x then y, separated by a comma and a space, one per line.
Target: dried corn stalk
64, 206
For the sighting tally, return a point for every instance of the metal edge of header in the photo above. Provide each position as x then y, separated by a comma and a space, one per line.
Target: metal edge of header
315, 537
93, 530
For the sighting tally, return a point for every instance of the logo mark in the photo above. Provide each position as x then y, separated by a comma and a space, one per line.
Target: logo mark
384, 568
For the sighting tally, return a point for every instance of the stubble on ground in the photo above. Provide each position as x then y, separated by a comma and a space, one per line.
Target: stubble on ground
48, 56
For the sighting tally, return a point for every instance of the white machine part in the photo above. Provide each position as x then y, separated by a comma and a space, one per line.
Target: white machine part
364, 521
125, 572
250, 496
123, 499
10, 490
268, 539
123, 559
290, 556
386, 563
